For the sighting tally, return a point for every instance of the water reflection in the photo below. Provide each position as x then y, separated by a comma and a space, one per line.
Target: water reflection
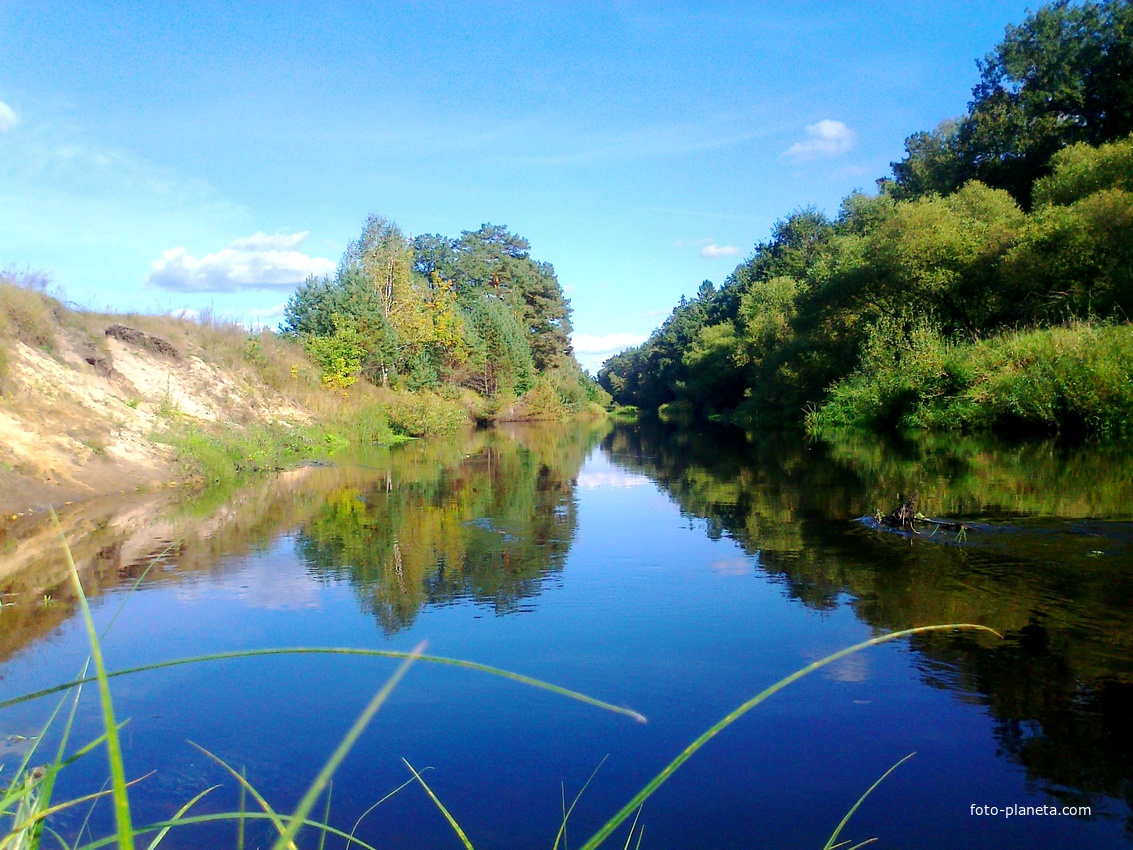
485, 516
487, 519
1051, 567
672, 623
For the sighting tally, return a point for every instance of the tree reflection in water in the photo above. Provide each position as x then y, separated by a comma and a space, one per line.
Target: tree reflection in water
1051, 567
487, 520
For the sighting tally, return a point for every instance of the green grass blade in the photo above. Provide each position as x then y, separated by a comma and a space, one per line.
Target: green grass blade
85, 825
248, 786
334, 650
451, 820
48, 785
181, 812
219, 817
42, 814
57, 837
632, 827
344, 747
567, 811
326, 819
830, 844
243, 804
16, 789
122, 820
655, 783
362, 817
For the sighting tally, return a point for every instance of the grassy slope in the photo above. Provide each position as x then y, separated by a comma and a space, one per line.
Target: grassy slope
82, 413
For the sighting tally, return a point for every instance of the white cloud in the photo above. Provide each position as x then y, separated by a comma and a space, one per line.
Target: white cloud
258, 261
826, 138
711, 252
8, 118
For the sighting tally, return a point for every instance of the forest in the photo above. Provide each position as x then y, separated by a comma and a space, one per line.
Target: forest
434, 313
987, 284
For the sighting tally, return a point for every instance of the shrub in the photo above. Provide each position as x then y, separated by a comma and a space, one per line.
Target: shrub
339, 356
423, 414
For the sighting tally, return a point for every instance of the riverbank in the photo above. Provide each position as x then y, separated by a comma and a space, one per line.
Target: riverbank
95, 404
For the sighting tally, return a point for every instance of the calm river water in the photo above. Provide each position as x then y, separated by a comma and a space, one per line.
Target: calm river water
676, 574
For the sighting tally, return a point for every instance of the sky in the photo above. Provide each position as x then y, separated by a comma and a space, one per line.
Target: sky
181, 157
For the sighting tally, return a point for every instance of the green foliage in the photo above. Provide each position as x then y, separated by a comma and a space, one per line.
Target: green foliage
476, 311
1059, 78
338, 355
902, 368
1072, 380
1080, 170
492, 260
716, 358
870, 318
423, 414
1076, 260
500, 361
225, 452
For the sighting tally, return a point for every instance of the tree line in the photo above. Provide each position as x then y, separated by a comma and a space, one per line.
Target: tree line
906, 306
430, 312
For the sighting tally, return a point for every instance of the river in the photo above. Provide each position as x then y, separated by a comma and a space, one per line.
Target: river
676, 574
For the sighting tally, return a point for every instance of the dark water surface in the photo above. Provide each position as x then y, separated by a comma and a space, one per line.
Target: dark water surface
676, 574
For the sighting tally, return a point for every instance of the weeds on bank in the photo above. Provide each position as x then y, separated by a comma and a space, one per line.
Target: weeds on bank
27, 799
1075, 378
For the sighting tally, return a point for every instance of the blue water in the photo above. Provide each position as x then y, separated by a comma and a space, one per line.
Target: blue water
650, 608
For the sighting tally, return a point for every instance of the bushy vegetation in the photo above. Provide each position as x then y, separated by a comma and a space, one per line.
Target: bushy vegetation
1074, 379
901, 310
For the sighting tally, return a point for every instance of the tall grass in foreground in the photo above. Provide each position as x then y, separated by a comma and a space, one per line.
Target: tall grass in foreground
27, 797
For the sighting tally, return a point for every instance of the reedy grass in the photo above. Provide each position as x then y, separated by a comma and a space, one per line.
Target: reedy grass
113, 745
726, 721
30, 790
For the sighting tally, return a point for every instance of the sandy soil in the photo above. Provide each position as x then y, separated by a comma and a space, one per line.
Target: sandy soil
70, 429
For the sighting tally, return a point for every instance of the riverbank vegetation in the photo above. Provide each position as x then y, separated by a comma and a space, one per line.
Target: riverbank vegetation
434, 313
410, 338
988, 283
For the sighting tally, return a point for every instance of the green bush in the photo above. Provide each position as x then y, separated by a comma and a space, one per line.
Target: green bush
423, 414
1072, 380
1081, 170
339, 356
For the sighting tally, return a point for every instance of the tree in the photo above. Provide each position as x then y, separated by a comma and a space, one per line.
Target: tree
500, 361
1064, 75
496, 261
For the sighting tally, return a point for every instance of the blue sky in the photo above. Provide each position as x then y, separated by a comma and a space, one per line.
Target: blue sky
155, 157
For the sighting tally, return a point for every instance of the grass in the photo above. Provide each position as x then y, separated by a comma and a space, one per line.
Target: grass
27, 798
1075, 380
27, 315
